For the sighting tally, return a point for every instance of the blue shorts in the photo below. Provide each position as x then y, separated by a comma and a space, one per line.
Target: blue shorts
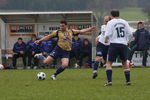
102, 50
59, 52
116, 50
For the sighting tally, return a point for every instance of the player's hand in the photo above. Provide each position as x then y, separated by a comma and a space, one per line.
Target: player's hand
37, 41
96, 40
93, 28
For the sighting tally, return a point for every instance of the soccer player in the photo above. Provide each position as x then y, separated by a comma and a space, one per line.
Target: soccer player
101, 48
63, 47
118, 31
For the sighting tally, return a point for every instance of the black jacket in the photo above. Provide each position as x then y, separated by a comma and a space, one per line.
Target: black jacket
142, 39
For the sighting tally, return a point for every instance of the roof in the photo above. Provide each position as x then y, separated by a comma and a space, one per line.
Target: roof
45, 17
35, 13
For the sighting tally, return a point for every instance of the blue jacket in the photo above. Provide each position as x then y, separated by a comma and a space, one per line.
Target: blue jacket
47, 46
17, 48
86, 48
76, 44
31, 46
142, 39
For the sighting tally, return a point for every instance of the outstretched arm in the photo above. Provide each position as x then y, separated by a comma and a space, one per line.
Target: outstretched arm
53, 34
93, 28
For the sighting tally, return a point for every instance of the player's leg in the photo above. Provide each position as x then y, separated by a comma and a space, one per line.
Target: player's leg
112, 55
98, 59
48, 60
123, 56
96, 65
126, 72
64, 60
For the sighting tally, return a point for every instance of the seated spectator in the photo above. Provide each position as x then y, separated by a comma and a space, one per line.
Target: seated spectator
85, 51
32, 49
141, 43
76, 43
19, 50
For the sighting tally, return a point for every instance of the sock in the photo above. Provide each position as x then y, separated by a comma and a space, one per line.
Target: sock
109, 74
95, 65
127, 74
59, 70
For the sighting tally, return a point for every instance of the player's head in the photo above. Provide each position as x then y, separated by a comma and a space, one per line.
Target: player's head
106, 19
115, 13
76, 36
20, 40
140, 25
63, 25
33, 38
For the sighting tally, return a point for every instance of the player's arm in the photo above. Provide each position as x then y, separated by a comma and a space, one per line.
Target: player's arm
53, 34
93, 28
84, 31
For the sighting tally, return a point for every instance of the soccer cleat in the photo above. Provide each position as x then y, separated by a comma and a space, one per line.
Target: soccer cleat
95, 75
53, 77
128, 83
76, 66
39, 56
108, 84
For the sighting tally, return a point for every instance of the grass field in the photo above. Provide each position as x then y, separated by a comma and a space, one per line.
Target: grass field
133, 14
73, 84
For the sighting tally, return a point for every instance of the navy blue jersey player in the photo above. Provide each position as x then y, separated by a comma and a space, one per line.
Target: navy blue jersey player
101, 48
118, 31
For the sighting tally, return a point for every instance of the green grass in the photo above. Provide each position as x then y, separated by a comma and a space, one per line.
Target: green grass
73, 84
133, 14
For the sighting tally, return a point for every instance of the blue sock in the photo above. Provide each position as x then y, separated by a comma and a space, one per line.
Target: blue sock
127, 75
109, 75
59, 70
95, 65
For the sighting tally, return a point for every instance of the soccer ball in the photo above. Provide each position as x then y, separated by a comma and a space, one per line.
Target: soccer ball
1, 67
41, 76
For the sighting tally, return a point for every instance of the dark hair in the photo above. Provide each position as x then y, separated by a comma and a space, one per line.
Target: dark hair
140, 23
63, 22
19, 38
76, 34
114, 13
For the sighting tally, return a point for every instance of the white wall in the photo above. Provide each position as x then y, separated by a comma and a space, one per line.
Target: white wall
2, 38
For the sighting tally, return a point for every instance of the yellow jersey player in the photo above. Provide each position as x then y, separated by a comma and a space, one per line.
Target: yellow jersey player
63, 46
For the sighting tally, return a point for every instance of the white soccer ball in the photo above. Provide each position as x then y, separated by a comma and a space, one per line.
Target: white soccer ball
41, 76
1, 67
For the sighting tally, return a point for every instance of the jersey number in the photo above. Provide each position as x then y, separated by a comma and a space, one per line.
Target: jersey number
120, 32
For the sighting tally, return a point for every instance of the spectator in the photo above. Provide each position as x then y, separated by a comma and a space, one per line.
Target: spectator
32, 49
19, 50
75, 52
141, 42
85, 51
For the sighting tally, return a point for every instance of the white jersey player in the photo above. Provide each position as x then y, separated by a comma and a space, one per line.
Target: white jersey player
101, 48
118, 32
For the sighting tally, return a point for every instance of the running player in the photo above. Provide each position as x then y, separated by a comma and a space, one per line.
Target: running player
63, 47
118, 31
101, 48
